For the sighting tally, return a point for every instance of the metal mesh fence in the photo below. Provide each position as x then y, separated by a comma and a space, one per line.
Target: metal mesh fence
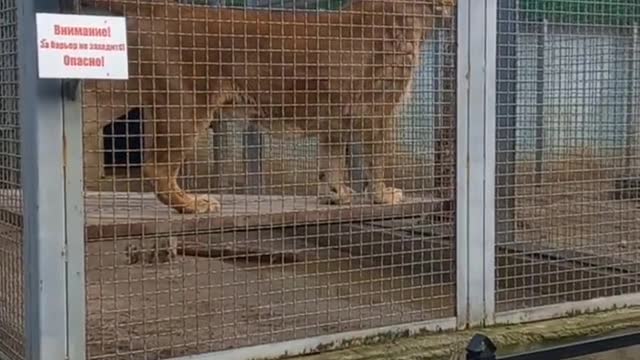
567, 180
255, 180
11, 274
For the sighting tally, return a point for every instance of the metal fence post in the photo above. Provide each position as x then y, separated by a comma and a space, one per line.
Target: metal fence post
74, 222
631, 145
543, 32
53, 226
476, 161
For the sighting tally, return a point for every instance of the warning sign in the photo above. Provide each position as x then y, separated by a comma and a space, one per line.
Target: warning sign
82, 46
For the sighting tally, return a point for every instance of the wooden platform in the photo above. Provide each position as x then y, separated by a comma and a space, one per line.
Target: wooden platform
124, 214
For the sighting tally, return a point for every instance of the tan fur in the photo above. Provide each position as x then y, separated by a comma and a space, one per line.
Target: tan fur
340, 76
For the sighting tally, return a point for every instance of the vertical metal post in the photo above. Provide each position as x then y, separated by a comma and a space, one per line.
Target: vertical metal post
542, 38
53, 251
74, 210
462, 186
74, 217
632, 130
476, 161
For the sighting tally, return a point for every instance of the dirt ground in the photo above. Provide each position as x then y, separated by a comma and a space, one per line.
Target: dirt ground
195, 304
567, 214
571, 206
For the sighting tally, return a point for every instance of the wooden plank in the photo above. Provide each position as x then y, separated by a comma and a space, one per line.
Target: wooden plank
402, 254
408, 265
535, 275
429, 225
122, 214
376, 246
562, 260
577, 259
524, 281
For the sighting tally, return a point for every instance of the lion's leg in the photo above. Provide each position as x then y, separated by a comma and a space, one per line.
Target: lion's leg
175, 132
332, 170
376, 148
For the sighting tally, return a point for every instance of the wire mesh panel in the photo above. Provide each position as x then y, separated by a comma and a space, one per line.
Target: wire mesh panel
11, 274
568, 180
271, 171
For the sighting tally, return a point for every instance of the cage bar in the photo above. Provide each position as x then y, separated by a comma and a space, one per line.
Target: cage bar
476, 162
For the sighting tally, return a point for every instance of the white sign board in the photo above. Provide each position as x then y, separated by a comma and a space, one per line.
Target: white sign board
82, 46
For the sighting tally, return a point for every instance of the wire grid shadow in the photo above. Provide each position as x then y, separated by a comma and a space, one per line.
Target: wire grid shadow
291, 252
567, 162
11, 270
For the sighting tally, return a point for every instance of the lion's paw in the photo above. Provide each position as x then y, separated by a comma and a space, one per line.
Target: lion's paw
387, 196
199, 204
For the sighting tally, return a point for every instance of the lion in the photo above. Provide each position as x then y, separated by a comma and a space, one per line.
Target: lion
335, 75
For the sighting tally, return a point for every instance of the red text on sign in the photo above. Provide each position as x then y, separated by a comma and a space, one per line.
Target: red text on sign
82, 31
63, 45
79, 61
51, 44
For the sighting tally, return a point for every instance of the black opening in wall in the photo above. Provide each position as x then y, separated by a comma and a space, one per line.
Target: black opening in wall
123, 142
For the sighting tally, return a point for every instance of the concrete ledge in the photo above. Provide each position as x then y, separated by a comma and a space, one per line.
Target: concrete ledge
450, 345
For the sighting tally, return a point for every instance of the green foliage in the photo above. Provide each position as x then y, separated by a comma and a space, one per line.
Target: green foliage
583, 12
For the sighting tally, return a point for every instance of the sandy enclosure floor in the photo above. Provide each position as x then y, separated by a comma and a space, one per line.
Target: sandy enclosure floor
196, 304
571, 238
573, 207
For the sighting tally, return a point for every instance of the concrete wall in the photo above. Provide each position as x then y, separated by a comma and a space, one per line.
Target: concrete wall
583, 83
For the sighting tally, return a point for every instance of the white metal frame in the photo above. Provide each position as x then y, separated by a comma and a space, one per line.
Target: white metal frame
560, 310
475, 161
306, 346
75, 227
